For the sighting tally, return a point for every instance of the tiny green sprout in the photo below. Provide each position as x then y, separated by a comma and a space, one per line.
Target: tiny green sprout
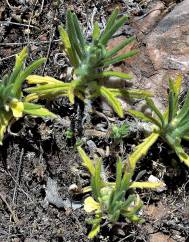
12, 103
119, 132
79, 142
111, 200
172, 125
69, 133
91, 62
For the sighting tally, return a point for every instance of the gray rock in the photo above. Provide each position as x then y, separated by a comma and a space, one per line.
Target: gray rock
165, 54
168, 44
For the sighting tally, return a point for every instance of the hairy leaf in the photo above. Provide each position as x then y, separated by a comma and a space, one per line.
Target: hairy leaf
86, 161
37, 110
142, 149
112, 100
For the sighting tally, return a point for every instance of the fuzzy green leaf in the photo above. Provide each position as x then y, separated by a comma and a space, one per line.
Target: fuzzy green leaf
171, 107
20, 58
120, 58
183, 156
95, 230
96, 32
48, 88
112, 100
112, 29
36, 79
143, 185
86, 161
177, 85
37, 110
118, 174
144, 117
96, 180
5, 118
130, 93
68, 48
110, 22
25, 73
183, 114
142, 149
72, 33
113, 73
119, 47
153, 107
79, 33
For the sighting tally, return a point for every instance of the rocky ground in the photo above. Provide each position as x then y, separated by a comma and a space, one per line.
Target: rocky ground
38, 154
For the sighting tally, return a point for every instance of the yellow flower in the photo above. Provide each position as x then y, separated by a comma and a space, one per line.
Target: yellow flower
91, 205
17, 108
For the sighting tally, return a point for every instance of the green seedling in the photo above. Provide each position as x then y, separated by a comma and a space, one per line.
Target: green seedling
111, 200
69, 133
91, 63
118, 132
172, 126
12, 103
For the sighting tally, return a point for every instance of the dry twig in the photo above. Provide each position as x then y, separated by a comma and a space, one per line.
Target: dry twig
18, 175
14, 216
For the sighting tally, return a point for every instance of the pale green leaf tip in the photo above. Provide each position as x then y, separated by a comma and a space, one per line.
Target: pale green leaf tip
60, 28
